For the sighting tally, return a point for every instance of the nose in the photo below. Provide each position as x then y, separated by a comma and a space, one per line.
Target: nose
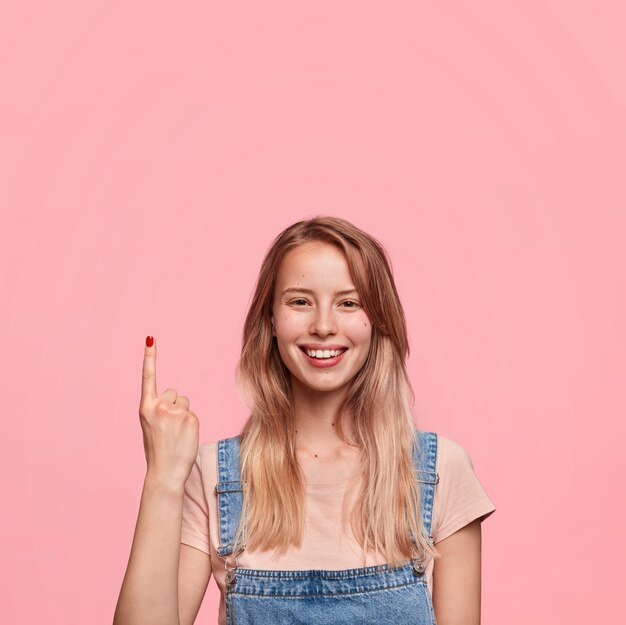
324, 322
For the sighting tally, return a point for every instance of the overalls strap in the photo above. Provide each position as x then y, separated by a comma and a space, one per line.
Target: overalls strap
229, 491
229, 487
425, 461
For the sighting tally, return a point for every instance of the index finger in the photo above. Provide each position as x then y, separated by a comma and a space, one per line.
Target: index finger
148, 378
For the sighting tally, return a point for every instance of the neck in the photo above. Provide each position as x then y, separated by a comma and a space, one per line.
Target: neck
316, 417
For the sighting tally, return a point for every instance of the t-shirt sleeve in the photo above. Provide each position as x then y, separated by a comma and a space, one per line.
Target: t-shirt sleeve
195, 526
460, 497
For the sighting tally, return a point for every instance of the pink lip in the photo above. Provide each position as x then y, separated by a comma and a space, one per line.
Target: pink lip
326, 362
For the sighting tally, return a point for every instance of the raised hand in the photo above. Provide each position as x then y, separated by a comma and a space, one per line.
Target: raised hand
170, 429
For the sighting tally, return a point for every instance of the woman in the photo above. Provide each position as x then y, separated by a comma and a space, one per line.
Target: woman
328, 506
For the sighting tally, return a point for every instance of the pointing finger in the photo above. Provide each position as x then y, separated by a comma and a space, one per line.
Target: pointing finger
148, 378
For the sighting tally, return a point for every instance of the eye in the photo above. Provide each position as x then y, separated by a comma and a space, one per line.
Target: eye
354, 304
295, 301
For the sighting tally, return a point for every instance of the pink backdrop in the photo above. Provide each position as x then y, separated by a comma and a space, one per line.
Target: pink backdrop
150, 152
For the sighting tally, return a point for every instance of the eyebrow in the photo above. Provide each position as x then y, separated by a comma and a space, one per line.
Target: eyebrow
301, 290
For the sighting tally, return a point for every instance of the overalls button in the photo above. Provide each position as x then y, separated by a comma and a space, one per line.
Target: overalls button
231, 578
418, 567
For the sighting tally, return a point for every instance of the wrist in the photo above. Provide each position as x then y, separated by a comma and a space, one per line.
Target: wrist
163, 484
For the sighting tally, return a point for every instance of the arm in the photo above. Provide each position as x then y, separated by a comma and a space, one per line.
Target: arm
149, 593
456, 577
165, 581
164, 584
194, 574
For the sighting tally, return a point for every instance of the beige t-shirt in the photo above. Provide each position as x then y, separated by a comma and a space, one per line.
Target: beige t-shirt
459, 499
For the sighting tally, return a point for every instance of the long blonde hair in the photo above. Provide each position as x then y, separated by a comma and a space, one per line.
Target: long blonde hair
378, 401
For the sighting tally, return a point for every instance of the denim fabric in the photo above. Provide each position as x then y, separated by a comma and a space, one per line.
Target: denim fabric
378, 594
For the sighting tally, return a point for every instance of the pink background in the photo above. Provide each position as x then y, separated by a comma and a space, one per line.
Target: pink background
150, 152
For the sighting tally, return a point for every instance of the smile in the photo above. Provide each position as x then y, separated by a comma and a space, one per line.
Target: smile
323, 358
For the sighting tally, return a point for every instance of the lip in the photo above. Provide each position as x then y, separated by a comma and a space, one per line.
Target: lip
326, 362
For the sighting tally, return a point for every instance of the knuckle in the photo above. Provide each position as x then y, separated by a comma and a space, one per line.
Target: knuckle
162, 407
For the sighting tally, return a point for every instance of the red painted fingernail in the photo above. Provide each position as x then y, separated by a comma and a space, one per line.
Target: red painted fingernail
149, 341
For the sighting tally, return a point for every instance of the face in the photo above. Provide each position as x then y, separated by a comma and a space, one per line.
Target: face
317, 309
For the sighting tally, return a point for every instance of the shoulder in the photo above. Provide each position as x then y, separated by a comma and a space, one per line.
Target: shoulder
451, 454
461, 497
204, 469
208, 452
209, 448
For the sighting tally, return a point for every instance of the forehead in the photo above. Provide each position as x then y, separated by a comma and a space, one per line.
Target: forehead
314, 261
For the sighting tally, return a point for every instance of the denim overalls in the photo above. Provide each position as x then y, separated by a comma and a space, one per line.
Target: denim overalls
376, 594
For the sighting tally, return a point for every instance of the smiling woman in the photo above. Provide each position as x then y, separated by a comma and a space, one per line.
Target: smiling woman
326, 283
327, 506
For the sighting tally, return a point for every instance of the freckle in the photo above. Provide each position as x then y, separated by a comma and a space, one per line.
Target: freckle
333, 424
316, 455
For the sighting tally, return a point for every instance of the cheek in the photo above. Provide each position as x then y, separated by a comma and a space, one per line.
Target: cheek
287, 325
360, 329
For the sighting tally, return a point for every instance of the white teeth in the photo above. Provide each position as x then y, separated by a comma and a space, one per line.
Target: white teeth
326, 353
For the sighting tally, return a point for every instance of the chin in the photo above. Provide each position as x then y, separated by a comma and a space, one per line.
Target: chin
324, 388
